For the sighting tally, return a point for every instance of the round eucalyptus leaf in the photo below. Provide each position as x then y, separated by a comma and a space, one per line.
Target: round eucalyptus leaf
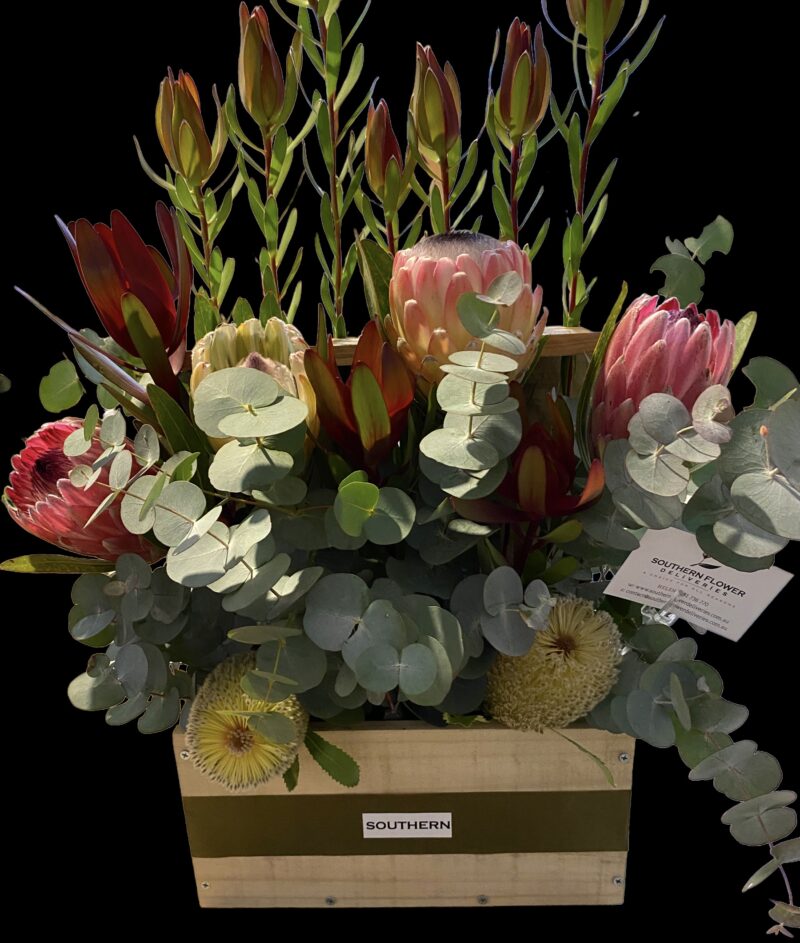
758, 805
638, 439
470, 485
708, 504
723, 761
335, 537
722, 554
140, 667
127, 711
320, 701
498, 363
435, 693
695, 745
504, 290
96, 689
198, 530
770, 501
650, 720
289, 590
378, 668
252, 530
648, 510
502, 589
391, 519
287, 492
715, 714
663, 416
418, 669
476, 375
333, 608
169, 599
503, 431
204, 562
660, 473
120, 472
784, 440
181, 504
245, 466
275, 727
239, 573
433, 621
692, 447
684, 649
160, 633
465, 695
657, 679
133, 504
258, 634
146, 446
259, 584
741, 536
354, 504
459, 449
457, 395
181, 466
608, 526
787, 852
771, 379
242, 394
381, 622
299, 658
76, 444
763, 820
651, 640
508, 632
89, 627
162, 712
112, 428
346, 682
506, 341
711, 410
477, 314
285, 414
745, 451
614, 463
752, 777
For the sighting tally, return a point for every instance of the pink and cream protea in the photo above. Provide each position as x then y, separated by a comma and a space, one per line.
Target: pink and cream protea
428, 280
659, 347
43, 501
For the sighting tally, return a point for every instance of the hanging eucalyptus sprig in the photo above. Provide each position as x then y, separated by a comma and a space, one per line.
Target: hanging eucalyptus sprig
325, 45
193, 158
269, 96
512, 117
594, 23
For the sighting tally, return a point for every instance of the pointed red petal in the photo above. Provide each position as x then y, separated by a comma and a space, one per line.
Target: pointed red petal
103, 281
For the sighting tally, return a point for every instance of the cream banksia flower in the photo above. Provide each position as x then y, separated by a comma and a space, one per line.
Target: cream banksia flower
570, 668
219, 740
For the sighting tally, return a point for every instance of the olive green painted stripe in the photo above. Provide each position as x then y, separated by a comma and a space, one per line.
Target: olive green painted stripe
483, 823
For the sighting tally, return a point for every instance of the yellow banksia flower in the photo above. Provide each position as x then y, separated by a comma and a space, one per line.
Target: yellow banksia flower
570, 668
219, 740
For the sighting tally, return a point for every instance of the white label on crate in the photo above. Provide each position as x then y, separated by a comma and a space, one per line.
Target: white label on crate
407, 824
670, 570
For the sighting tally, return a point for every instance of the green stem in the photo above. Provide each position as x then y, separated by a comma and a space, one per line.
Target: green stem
269, 194
444, 189
207, 244
512, 191
338, 261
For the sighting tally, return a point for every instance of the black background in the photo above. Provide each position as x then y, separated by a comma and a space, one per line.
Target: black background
699, 132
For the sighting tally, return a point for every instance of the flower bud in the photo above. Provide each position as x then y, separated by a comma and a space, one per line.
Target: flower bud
612, 10
380, 147
524, 93
249, 337
261, 83
435, 109
182, 133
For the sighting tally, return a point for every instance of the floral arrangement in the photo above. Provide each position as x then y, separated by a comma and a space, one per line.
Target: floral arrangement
261, 538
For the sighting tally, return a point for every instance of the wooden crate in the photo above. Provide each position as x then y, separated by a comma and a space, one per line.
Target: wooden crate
534, 821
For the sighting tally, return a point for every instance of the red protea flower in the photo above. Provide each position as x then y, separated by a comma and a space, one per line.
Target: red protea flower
366, 416
659, 347
43, 501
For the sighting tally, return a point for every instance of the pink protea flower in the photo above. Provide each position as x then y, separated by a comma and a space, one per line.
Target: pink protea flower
659, 347
43, 501
427, 281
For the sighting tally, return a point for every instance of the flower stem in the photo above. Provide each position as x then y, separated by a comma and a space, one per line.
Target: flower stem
513, 202
338, 261
390, 237
789, 895
207, 243
268, 195
444, 189
580, 198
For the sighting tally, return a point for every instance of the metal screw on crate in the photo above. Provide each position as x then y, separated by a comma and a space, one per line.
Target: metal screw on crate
618, 881
483, 899
330, 901
624, 757
204, 885
184, 754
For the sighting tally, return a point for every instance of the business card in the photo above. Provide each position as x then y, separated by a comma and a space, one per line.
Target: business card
670, 571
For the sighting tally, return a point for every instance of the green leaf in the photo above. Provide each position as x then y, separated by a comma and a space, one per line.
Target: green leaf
179, 431
592, 756
334, 761
148, 341
744, 331
60, 389
787, 852
292, 775
716, 237
369, 408
275, 727
162, 712
752, 777
684, 278
786, 915
610, 100
54, 563
333, 609
97, 688
772, 380
763, 819
375, 265
694, 746
761, 875
333, 56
